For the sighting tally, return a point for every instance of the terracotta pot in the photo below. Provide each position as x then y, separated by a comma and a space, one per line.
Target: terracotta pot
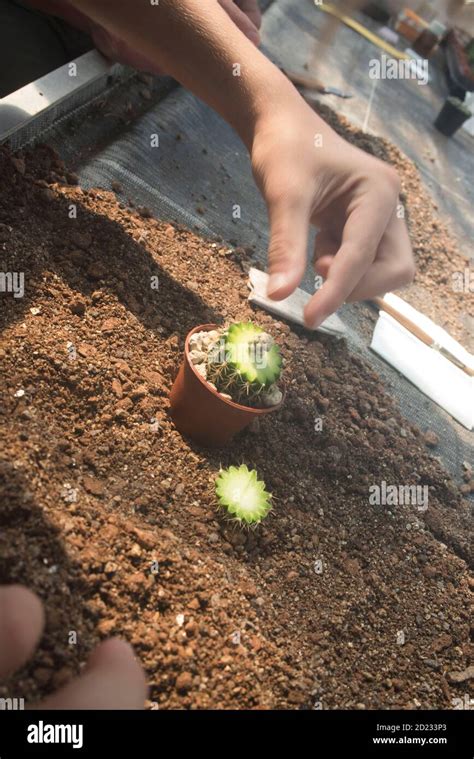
198, 410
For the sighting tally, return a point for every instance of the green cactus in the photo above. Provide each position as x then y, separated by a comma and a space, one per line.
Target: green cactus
243, 495
244, 363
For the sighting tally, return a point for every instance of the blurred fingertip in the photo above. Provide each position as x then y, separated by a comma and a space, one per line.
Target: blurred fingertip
278, 286
254, 36
18, 600
310, 320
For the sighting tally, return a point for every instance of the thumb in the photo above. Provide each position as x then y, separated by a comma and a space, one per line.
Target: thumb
112, 679
287, 252
21, 624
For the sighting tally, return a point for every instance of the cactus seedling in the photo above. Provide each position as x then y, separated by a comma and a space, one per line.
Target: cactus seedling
246, 364
243, 495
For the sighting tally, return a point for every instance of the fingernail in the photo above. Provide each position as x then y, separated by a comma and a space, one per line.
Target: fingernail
276, 282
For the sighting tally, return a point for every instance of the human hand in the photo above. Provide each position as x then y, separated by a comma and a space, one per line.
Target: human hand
309, 175
306, 173
112, 677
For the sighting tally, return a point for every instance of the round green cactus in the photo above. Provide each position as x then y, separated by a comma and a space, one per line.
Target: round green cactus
245, 362
242, 494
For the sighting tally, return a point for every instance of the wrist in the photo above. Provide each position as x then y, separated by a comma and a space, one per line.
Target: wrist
266, 94
274, 104
271, 99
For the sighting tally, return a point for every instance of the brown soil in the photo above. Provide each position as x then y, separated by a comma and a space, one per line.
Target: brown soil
331, 602
435, 290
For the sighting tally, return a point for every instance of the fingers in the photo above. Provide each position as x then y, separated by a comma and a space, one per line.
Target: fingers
287, 252
325, 247
251, 9
393, 267
361, 236
21, 624
323, 264
241, 20
112, 679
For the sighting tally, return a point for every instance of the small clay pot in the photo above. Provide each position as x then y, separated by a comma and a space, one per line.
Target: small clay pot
200, 412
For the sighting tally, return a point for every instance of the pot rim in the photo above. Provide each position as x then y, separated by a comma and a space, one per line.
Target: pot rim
215, 393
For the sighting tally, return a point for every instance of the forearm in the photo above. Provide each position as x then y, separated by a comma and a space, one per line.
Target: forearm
363, 249
195, 42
